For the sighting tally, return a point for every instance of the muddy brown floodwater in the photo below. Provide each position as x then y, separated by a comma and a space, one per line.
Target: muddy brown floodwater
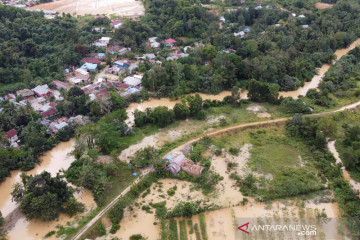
52, 161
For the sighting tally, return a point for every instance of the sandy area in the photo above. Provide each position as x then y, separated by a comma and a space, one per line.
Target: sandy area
320, 5
125, 8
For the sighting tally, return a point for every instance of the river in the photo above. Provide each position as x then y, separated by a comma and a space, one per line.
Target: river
52, 161
314, 83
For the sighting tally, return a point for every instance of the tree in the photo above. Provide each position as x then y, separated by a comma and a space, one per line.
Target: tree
181, 110
195, 104
162, 116
43, 197
145, 156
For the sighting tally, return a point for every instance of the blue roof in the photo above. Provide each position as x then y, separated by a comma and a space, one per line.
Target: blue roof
134, 173
90, 66
101, 54
169, 157
247, 29
132, 90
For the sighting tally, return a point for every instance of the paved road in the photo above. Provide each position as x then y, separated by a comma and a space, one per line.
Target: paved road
219, 132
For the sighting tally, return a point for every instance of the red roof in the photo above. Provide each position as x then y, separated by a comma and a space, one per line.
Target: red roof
92, 60
102, 93
118, 84
11, 133
115, 22
53, 104
170, 40
48, 113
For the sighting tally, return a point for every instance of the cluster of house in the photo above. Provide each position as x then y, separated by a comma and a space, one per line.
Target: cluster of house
178, 162
167, 42
17, 3
38, 98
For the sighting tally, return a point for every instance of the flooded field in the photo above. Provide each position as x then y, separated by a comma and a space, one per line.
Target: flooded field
52, 161
124, 8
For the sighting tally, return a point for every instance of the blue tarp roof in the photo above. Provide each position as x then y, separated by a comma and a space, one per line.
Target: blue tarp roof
247, 29
169, 157
90, 66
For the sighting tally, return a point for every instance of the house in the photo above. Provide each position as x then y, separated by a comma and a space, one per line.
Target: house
222, 19
186, 48
45, 108
102, 42
55, 126
10, 96
305, 26
123, 63
169, 42
148, 56
152, 39
89, 66
82, 73
61, 85
176, 55
12, 135
191, 168
116, 23
132, 81
76, 80
91, 60
301, 16
102, 93
240, 34
114, 70
42, 91
97, 55
49, 113
155, 45
246, 30
25, 93
258, 7
117, 50
132, 67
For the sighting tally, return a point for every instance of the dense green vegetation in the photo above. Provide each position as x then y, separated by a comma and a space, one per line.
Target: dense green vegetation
44, 197
314, 132
34, 49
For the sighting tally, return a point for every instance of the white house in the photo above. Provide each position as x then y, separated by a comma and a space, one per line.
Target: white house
152, 39
155, 44
222, 19
240, 34
132, 81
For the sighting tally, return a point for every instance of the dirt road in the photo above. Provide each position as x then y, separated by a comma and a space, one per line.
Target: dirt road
224, 131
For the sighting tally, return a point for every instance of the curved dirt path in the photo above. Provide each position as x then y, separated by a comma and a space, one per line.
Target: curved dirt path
219, 132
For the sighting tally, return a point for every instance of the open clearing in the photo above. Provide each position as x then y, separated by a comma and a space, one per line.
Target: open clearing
124, 8
320, 5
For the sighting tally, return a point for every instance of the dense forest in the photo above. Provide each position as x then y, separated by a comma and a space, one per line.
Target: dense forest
34, 49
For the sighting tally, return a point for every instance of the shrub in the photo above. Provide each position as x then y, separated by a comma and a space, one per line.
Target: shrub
234, 151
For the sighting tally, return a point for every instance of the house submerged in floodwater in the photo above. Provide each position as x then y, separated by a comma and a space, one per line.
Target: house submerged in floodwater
178, 162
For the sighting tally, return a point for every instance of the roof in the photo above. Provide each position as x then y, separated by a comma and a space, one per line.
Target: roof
132, 81
90, 66
82, 71
98, 54
114, 48
48, 113
43, 89
61, 84
170, 40
246, 30
105, 39
25, 92
91, 60
11, 133
102, 93
116, 22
